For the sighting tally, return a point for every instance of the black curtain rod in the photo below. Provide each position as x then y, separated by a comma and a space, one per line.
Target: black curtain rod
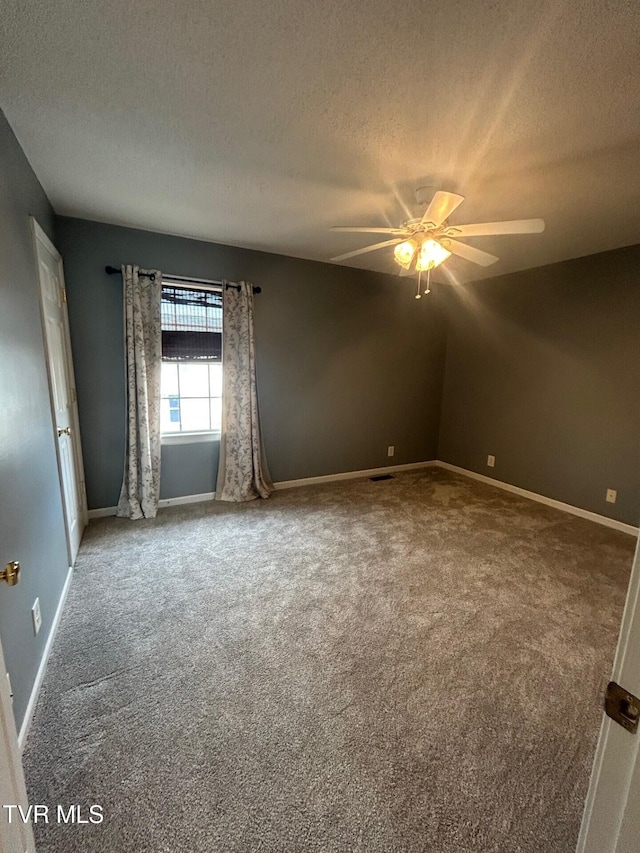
114, 271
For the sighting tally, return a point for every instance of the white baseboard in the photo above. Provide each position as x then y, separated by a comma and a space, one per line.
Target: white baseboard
183, 499
534, 496
351, 475
102, 512
283, 484
37, 684
188, 499
390, 469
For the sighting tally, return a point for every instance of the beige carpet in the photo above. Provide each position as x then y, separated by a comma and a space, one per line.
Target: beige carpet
410, 665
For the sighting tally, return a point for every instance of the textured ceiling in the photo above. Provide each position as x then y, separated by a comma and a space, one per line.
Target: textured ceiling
261, 124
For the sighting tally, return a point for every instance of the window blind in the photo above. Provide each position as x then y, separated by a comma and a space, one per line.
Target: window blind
191, 324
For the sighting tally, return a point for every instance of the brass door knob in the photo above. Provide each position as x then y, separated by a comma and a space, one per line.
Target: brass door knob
65, 431
11, 573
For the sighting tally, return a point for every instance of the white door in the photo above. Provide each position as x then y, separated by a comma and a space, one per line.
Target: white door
15, 836
53, 302
611, 820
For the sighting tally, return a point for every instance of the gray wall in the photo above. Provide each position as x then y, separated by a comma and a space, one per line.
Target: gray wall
31, 521
543, 371
348, 361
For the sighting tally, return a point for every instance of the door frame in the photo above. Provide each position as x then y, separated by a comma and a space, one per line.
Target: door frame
11, 765
612, 799
39, 235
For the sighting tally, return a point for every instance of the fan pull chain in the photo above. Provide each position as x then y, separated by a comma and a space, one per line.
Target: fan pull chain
418, 294
428, 290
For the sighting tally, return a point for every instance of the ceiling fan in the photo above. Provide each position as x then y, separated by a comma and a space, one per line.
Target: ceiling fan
424, 243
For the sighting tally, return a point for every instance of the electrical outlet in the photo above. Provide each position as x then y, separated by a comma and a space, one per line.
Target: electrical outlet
391, 450
35, 615
611, 496
491, 461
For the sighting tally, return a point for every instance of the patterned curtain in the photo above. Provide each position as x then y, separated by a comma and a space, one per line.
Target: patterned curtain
242, 470
143, 356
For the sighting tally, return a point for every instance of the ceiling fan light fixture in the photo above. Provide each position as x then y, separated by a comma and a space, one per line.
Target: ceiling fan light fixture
431, 255
404, 252
422, 244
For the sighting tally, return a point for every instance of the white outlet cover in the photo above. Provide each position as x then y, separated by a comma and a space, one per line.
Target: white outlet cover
611, 496
391, 450
491, 461
36, 616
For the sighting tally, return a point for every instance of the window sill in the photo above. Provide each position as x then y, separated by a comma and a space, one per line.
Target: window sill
189, 437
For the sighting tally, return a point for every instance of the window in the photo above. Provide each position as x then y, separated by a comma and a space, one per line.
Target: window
191, 387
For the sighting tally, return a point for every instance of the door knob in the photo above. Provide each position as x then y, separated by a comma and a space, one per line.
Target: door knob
11, 573
65, 431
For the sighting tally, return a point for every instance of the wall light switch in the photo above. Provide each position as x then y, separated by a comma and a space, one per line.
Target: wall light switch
391, 450
491, 461
35, 615
611, 496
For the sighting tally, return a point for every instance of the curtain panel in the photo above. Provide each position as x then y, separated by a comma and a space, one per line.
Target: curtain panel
140, 491
242, 471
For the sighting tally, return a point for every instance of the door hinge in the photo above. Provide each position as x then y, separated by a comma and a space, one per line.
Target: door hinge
63, 293
622, 706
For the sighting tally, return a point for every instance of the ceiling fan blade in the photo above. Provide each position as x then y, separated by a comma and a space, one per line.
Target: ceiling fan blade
367, 249
486, 229
441, 207
469, 253
366, 230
